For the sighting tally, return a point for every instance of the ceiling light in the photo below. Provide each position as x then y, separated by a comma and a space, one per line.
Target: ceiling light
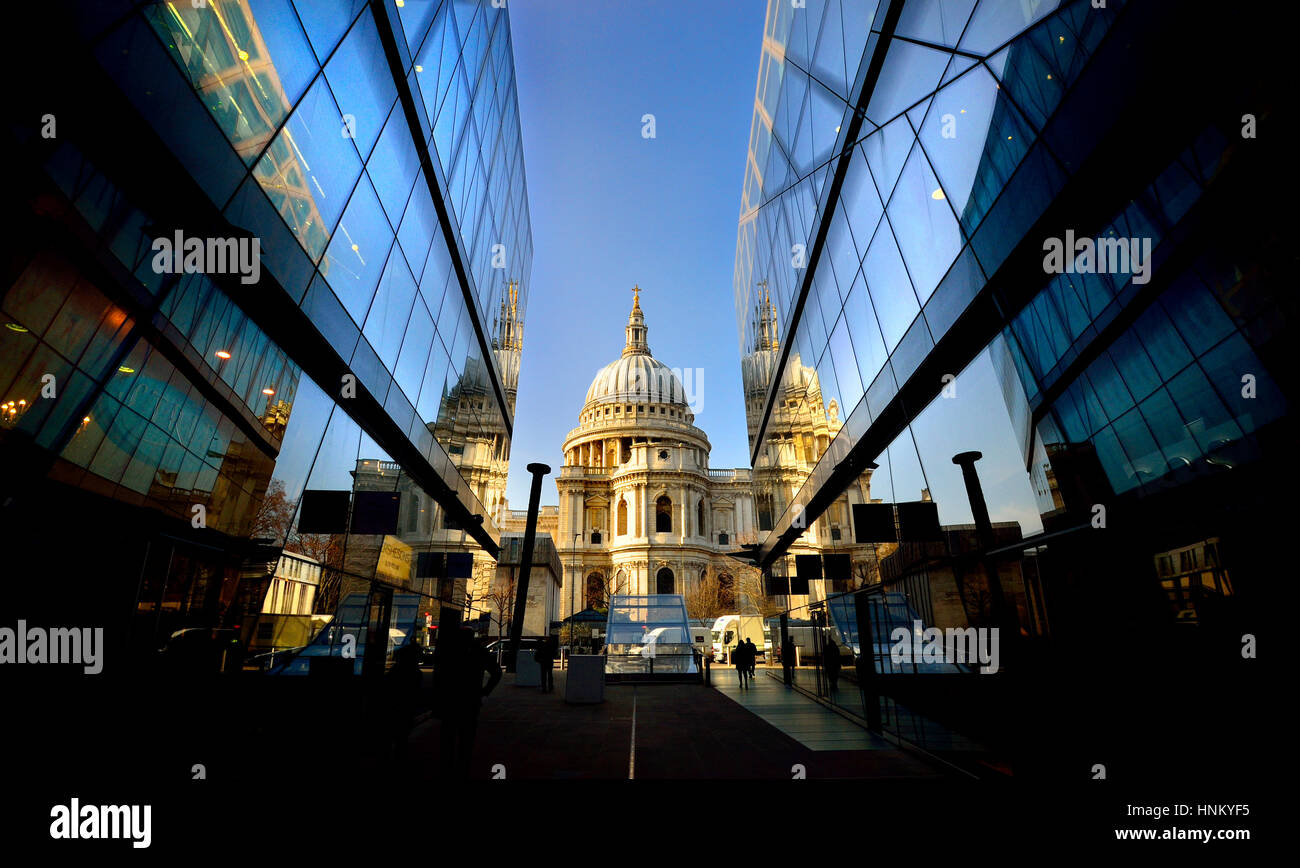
268, 391
937, 194
223, 354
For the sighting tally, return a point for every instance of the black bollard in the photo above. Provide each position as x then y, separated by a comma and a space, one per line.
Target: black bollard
525, 567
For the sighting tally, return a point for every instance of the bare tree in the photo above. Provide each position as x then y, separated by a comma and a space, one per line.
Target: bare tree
274, 514
600, 589
501, 595
753, 595
705, 598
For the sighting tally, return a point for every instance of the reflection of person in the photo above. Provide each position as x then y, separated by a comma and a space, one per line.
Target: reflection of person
832, 662
402, 685
459, 663
545, 657
787, 659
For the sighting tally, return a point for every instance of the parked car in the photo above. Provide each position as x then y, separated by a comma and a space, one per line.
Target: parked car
527, 645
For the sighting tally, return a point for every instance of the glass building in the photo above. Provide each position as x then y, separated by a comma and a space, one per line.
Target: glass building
264, 305
914, 168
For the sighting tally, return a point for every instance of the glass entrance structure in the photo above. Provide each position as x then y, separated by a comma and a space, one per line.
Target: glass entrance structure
648, 636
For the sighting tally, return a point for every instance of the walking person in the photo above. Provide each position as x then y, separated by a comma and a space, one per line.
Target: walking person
751, 654
738, 659
459, 664
545, 656
831, 661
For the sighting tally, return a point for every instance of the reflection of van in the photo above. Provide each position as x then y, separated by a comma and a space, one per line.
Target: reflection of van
345, 635
665, 636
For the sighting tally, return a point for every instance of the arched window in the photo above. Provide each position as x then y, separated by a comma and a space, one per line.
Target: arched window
664, 516
765, 511
664, 583
595, 591
726, 592
620, 585
699, 518
622, 516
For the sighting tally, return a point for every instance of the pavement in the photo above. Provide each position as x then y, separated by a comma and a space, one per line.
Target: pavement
669, 731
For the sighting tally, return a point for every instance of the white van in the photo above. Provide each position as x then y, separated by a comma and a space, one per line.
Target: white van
729, 630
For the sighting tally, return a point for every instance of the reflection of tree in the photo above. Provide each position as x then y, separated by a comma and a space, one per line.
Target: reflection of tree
274, 515
753, 595
866, 572
327, 550
274, 520
501, 594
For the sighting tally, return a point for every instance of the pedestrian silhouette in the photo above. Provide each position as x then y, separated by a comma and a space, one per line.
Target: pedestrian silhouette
740, 659
545, 656
831, 661
751, 654
402, 687
459, 664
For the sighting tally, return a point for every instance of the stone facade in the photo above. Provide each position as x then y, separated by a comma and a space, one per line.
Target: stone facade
640, 509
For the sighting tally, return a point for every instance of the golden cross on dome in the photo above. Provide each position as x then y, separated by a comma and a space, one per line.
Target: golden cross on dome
636, 296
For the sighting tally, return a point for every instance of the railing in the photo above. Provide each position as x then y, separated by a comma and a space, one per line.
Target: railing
671, 666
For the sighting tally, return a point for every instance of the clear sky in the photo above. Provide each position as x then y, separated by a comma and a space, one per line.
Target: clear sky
610, 208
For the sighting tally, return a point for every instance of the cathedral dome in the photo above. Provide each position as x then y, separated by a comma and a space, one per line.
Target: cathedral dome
637, 376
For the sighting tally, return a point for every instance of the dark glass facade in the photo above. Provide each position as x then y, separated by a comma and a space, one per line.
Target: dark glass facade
295, 426
911, 165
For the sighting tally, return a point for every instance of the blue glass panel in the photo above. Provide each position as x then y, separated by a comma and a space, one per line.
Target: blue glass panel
386, 321
891, 290
1171, 433
1199, 318
362, 84
927, 232
1226, 365
326, 21
358, 251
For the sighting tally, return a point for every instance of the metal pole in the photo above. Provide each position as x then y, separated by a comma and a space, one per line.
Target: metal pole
1003, 615
538, 470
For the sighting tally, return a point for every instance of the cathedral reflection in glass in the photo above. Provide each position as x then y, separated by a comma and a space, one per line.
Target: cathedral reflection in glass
909, 164
315, 452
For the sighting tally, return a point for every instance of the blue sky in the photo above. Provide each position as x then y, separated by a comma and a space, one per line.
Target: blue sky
610, 208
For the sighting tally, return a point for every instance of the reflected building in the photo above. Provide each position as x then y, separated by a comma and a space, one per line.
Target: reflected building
912, 167
344, 401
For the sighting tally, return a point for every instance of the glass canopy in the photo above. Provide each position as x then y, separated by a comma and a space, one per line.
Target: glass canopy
648, 634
